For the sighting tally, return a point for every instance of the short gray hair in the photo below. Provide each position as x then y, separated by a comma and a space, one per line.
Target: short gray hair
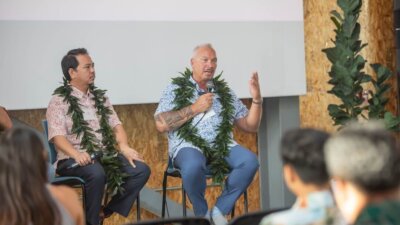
206, 45
365, 154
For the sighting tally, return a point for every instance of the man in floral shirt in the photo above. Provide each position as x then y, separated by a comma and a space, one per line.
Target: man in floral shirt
199, 119
77, 104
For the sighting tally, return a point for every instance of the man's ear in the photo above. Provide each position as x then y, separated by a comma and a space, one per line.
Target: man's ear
72, 73
289, 173
338, 184
191, 61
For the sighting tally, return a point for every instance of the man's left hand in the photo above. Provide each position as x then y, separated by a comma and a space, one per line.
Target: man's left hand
255, 87
131, 155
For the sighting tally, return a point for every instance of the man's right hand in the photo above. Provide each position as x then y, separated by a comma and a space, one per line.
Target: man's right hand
63, 145
172, 120
82, 158
203, 103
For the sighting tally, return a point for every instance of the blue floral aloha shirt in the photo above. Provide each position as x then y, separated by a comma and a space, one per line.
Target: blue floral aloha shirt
206, 126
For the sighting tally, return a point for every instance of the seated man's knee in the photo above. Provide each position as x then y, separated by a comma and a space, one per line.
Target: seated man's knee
140, 173
194, 167
251, 162
98, 176
145, 171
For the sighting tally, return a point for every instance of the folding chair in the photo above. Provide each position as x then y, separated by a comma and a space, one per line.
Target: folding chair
72, 181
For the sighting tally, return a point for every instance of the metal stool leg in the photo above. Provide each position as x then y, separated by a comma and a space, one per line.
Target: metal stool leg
164, 195
138, 207
105, 202
246, 204
183, 201
83, 196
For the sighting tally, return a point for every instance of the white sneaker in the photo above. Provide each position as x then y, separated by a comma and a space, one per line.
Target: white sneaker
217, 218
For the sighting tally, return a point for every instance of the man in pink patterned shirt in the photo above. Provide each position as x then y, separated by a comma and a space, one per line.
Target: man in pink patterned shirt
78, 69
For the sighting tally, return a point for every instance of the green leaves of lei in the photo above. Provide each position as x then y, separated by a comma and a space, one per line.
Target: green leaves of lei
216, 151
112, 165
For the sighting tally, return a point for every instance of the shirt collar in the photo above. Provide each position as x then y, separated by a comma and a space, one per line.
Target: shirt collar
198, 89
318, 199
79, 94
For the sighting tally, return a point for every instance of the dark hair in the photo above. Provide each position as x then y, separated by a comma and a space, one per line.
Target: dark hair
367, 155
304, 150
70, 61
23, 178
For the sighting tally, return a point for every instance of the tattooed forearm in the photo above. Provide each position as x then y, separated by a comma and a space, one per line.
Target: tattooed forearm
174, 119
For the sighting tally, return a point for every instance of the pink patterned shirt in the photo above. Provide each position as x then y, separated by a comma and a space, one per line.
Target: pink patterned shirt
60, 123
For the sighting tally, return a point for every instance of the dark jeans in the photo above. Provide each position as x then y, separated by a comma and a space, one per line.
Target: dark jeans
95, 181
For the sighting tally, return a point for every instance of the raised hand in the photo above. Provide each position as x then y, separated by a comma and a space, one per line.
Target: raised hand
254, 87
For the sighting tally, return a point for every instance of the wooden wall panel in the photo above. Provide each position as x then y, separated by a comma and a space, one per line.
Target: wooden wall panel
32, 117
318, 30
376, 21
381, 41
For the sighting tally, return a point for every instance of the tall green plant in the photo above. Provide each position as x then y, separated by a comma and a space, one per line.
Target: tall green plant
348, 76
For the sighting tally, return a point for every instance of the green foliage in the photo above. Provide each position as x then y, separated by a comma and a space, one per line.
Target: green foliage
219, 149
112, 165
347, 75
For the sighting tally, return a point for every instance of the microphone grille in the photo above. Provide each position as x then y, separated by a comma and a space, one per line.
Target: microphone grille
98, 154
210, 86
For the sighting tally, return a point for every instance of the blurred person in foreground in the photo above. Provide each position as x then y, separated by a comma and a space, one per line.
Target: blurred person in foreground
364, 163
305, 174
26, 196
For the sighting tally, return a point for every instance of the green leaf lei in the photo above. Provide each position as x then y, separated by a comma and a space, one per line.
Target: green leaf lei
216, 151
112, 165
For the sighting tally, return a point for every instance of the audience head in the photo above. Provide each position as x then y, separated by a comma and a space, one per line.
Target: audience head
5, 120
364, 160
23, 178
204, 63
302, 151
70, 61
22, 153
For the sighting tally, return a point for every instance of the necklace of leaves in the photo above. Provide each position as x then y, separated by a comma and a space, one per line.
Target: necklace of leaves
216, 151
109, 160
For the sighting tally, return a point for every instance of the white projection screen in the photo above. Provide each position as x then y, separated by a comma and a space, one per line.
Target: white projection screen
139, 45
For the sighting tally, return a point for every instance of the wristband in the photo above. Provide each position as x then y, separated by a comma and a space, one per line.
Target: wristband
257, 102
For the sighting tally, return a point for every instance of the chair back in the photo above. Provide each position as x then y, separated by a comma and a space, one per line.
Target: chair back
175, 221
51, 148
253, 218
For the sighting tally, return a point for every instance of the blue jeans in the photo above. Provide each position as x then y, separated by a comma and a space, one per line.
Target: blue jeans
192, 164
